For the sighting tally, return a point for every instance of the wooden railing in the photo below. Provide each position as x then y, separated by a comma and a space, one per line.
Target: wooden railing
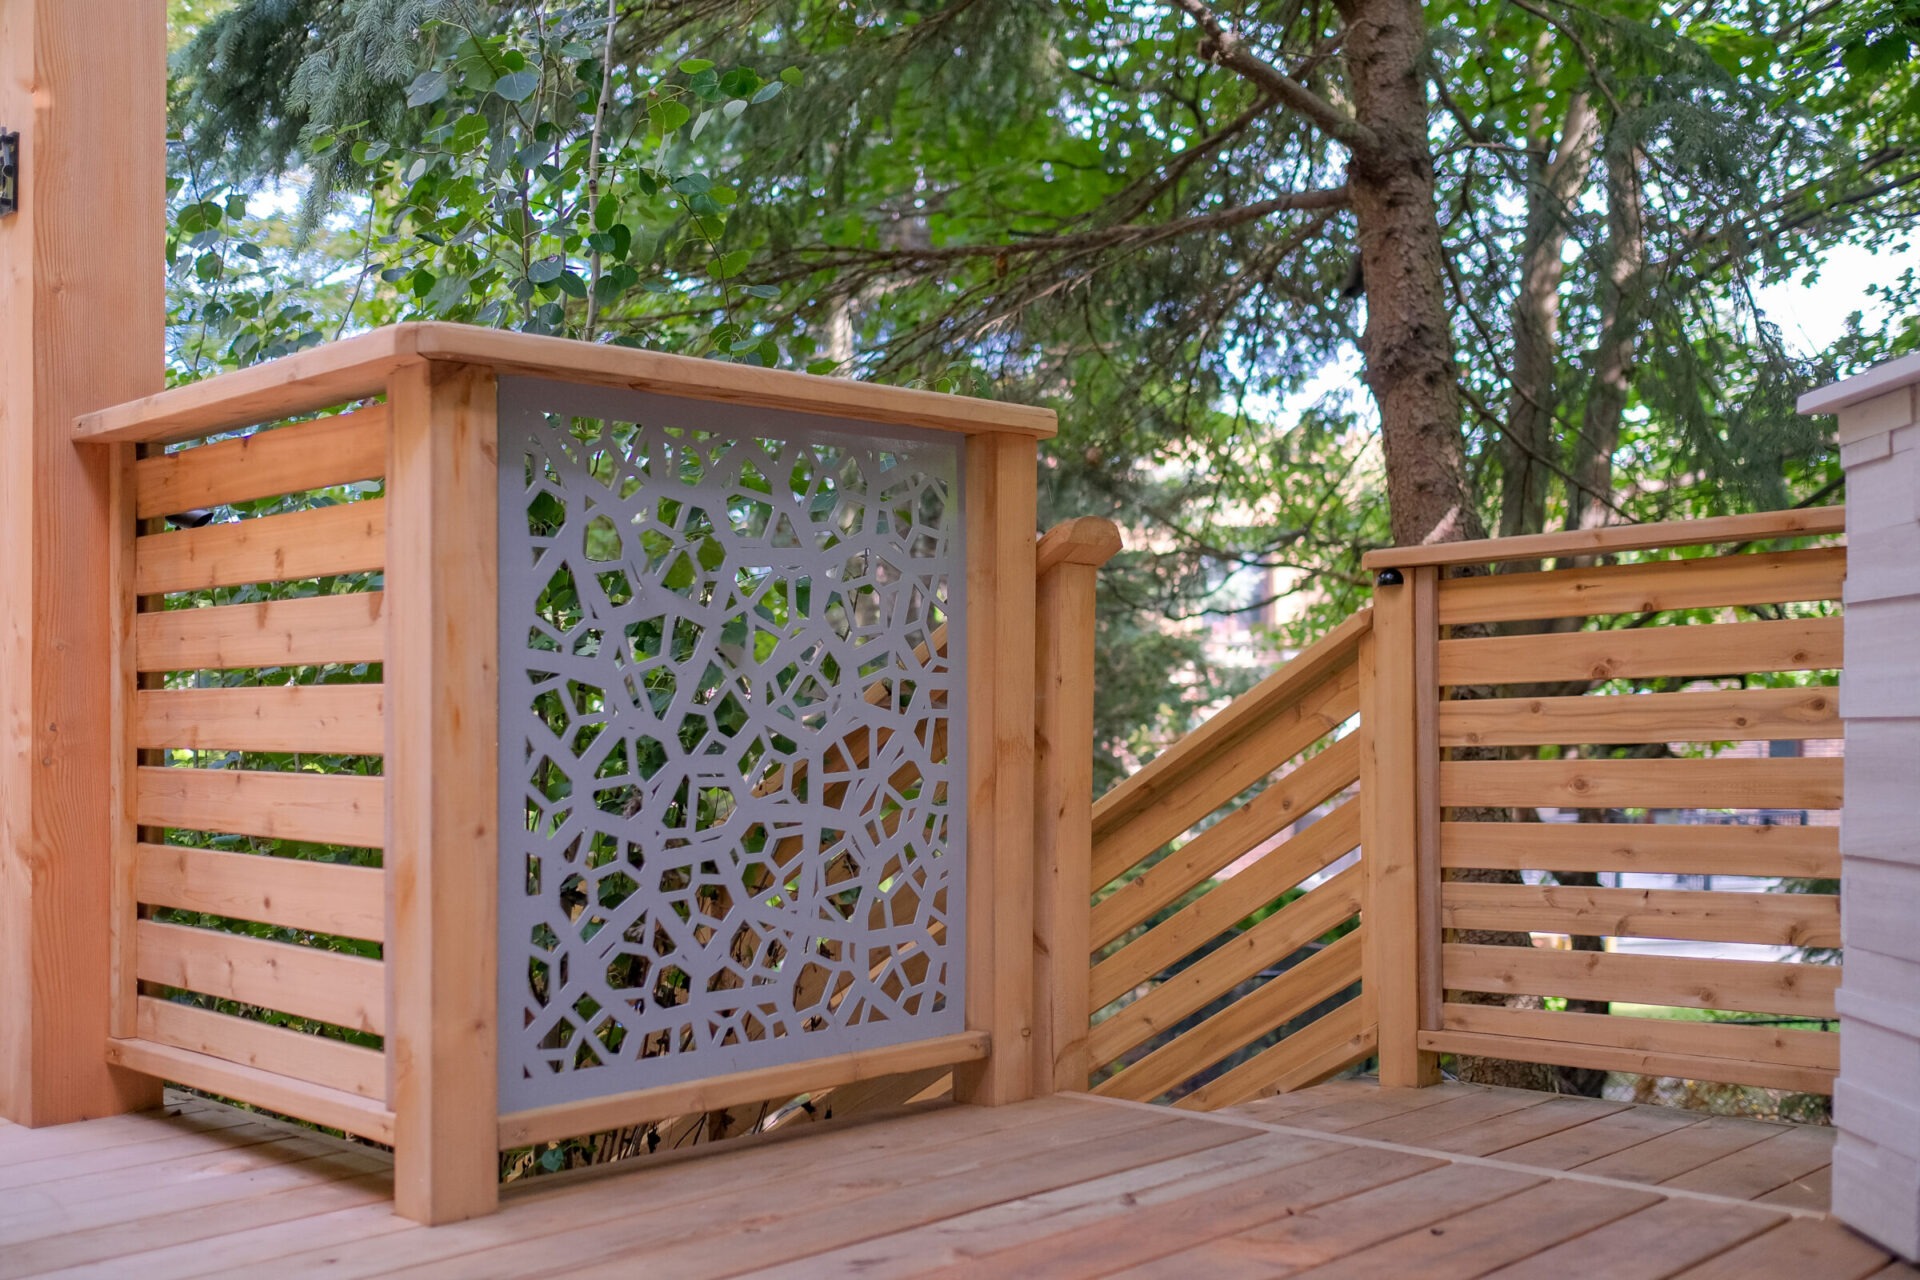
1606, 696
309, 866
1194, 971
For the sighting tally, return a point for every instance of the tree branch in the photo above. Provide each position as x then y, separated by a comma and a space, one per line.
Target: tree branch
1223, 47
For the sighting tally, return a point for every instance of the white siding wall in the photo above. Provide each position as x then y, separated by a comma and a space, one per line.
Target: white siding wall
1876, 1184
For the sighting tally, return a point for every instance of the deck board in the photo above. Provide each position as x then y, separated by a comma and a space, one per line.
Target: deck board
1345, 1180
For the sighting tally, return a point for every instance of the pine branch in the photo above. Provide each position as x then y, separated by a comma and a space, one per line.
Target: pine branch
1223, 47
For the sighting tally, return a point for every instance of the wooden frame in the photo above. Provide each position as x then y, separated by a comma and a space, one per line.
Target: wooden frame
1068, 564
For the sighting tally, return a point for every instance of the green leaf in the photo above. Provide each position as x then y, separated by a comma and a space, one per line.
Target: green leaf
792, 76
732, 264
668, 115
518, 86
547, 270
366, 153
693, 66
769, 92
822, 366
428, 88
736, 108
469, 133
739, 82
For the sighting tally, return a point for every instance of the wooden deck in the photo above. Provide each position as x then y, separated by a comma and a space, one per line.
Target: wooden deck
1343, 1180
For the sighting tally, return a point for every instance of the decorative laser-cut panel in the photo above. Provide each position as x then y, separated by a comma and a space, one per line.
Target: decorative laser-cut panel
732, 749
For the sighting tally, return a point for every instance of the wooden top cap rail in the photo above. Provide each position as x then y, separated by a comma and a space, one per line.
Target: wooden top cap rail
1088, 540
357, 368
1803, 522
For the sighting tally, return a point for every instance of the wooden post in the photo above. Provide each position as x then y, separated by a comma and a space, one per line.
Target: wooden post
442, 849
1000, 511
1391, 809
1069, 562
82, 319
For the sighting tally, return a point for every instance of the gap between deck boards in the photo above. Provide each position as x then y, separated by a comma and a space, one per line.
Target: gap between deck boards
1570, 1175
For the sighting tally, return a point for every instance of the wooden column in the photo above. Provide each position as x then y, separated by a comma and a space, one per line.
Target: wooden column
1000, 512
82, 319
1069, 563
442, 850
1395, 820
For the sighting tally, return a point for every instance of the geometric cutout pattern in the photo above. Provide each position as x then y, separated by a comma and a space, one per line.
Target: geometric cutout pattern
732, 745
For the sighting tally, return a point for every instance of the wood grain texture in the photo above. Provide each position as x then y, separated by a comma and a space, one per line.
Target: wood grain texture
82, 325
1318, 711
1000, 498
1063, 813
322, 808
276, 633
1805, 852
319, 896
442, 813
1329, 1044
1284, 801
335, 719
1806, 783
1783, 1046
1797, 523
1778, 919
1739, 715
1697, 649
348, 538
1716, 582
1274, 1003
328, 986
1281, 934
334, 1108
716, 1093
358, 368
1751, 986
1200, 750
315, 1059
292, 459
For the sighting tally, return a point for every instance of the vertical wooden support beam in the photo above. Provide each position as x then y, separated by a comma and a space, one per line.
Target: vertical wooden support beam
1069, 565
1390, 809
1000, 511
123, 904
1424, 583
82, 324
442, 852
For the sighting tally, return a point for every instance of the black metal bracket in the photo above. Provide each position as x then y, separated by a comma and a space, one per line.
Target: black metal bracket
9, 173
1388, 578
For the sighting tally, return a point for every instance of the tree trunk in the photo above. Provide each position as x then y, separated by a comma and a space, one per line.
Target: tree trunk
1527, 451
1622, 303
1408, 342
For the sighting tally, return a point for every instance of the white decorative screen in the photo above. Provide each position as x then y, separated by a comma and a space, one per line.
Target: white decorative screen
731, 747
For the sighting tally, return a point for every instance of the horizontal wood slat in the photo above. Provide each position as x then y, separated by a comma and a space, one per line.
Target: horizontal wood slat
1265, 749
1746, 986
341, 719
1697, 649
1281, 803
348, 538
278, 633
571, 1119
348, 991
1226, 903
1640, 1062
1714, 582
290, 459
1811, 853
1220, 970
1786, 1046
334, 1108
320, 808
1200, 751
317, 1059
1797, 523
1329, 1044
1276, 1002
1779, 919
1734, 715
317, 896
1808, 783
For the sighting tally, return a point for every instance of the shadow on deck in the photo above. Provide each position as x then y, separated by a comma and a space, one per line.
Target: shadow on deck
1455, 1180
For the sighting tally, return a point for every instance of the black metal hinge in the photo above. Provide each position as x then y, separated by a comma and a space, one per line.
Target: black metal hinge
9, 173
